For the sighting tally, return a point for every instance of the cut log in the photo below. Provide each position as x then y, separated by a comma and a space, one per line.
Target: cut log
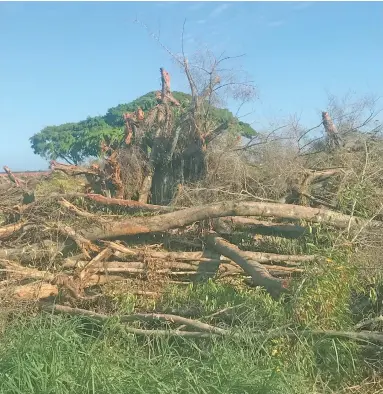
10, 229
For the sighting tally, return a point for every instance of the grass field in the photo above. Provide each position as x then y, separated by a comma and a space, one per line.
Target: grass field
56, 354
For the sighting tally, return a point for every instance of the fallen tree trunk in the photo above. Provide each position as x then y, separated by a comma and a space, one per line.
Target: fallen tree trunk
258, 273
167, 221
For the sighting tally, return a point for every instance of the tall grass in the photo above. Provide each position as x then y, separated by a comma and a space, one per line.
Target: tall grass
54, 354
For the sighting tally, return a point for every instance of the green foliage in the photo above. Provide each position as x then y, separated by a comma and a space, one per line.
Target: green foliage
75, 142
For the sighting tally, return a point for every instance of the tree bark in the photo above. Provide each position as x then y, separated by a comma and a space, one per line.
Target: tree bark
258, 273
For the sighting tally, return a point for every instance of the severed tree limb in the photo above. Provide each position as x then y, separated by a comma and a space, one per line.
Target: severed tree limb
145, 317
24, 272
167, 221
129, 204
71, 169
363, 336
73, 285
258, 273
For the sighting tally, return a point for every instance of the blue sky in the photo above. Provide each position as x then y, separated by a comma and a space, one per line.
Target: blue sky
62, 62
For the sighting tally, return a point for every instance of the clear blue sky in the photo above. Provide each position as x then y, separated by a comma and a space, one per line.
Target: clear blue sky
62, 62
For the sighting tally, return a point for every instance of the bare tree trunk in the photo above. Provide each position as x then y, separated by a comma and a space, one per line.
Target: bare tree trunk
167, 221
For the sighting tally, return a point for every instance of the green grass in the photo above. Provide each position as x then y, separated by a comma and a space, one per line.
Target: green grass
55, 354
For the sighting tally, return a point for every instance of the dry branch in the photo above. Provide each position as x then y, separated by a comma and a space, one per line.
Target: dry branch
258, 273
141, 268
103, 255
364, 336
365, 323
260, 257
77, 211
70, 169
149, 317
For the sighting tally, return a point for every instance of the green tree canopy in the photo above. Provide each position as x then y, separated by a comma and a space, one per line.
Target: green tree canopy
75, 142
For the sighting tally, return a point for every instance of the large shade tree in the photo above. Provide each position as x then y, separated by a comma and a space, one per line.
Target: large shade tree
170, 131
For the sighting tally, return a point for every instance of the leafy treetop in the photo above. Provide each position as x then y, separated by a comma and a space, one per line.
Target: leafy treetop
75, 142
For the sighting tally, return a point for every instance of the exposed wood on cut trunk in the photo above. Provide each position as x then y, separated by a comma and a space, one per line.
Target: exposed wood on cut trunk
258, 273
34, 291
145, 188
